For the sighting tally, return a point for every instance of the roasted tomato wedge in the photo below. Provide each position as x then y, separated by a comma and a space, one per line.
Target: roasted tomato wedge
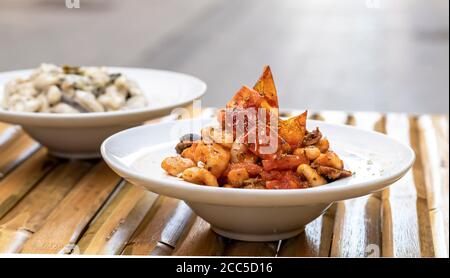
293, 130
265, 86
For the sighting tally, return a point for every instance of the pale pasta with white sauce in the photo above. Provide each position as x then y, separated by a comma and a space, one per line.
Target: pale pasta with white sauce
67, 89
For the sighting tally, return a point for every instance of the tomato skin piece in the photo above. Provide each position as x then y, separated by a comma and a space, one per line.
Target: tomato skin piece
271, 175
286, 162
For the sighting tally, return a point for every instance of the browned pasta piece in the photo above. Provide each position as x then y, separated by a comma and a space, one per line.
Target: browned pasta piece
311, 152
237, 176
176, 165
329, 159
311, 175
199, 176
323, 145
214, 156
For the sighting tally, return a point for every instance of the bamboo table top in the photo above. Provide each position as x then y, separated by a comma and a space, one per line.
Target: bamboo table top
55, 206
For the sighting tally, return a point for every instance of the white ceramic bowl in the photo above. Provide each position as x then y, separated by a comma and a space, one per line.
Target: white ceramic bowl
80, 135
258, 215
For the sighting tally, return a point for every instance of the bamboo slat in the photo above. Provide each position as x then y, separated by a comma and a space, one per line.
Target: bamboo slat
16, 185
162, 249
441, 125
4, 126
17, 151
8, 134
315, 241
201, 241
110, 232
434, 156
176, 228
164, 223
425, 230
405, 220
28, 215
67, 222
57, 206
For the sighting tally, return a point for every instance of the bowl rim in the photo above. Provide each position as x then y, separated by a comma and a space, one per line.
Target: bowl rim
55, 117
261, 197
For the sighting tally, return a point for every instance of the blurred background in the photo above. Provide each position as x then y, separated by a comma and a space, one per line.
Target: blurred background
371, 55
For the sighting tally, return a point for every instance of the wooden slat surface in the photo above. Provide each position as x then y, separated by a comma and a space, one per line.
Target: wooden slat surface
160, 231
110, 232
26, 218
8, 133
67, 222
434, 155
15, 152
16, 185
201, 241
315, 241
49, 205
405, 208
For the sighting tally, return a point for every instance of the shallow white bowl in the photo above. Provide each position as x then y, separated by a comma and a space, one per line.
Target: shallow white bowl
80, 135
258, 215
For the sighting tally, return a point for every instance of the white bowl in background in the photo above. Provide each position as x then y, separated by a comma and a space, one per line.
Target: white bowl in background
257, 214
80, 135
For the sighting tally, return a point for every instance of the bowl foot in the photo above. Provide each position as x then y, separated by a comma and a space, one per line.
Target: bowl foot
87, 155
258, 237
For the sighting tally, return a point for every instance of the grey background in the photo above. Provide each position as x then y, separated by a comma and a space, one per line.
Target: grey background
376, 55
